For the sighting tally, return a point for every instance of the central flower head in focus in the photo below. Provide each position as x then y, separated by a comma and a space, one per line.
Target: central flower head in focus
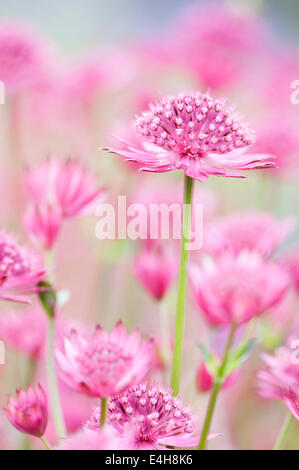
193, 132
106, 366
152, 417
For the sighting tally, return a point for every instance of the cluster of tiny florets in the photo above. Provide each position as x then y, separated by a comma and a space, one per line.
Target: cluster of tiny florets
152, 413
13, 262
193, 124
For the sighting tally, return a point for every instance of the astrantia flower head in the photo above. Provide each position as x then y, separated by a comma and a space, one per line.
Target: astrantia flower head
28, 412
193, 132
24, 331
107, 365
19, 270
236, 288
253, 231
280, 379
156, 418
67, 185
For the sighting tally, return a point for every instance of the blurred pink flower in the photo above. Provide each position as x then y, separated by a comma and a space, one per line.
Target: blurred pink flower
216, 42
106, 438
278, 136
25, 331
205, 380
19, 270
28, 412
23, 57
192, 132
253, 231
155, 418
156, 269
67, 185
42, 223
233, 289
280, 379
106, 366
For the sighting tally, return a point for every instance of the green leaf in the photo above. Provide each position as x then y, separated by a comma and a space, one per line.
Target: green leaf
211, 362
239, 355
47, 297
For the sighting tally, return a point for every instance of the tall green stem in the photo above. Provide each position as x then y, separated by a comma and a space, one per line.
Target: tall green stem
220, 376
103, 411
52, 381
179, 326
283, 435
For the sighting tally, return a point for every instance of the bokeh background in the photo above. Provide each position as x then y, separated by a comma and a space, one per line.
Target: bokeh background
105, 61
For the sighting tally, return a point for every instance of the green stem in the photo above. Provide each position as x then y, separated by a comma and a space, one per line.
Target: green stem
179, 326
46, 444
103, 411
52, 381
215, 390
283, 435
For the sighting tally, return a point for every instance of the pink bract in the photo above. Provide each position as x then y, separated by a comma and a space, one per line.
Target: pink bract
195, 133
280, 379
100, 439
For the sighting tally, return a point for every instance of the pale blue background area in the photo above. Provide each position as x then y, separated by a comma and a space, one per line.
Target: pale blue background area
76, 24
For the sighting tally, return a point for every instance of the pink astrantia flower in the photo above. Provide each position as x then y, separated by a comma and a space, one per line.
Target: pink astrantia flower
23, 59
195, 133
254, 231
216, 42
278, 135
106, 438
24, 331
43, 223
28, 412
19, 270
280, 379
68, 185
107, 365
156, 269
236, 288
155, 417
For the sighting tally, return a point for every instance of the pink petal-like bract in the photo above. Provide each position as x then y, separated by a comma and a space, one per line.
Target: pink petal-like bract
280, 378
